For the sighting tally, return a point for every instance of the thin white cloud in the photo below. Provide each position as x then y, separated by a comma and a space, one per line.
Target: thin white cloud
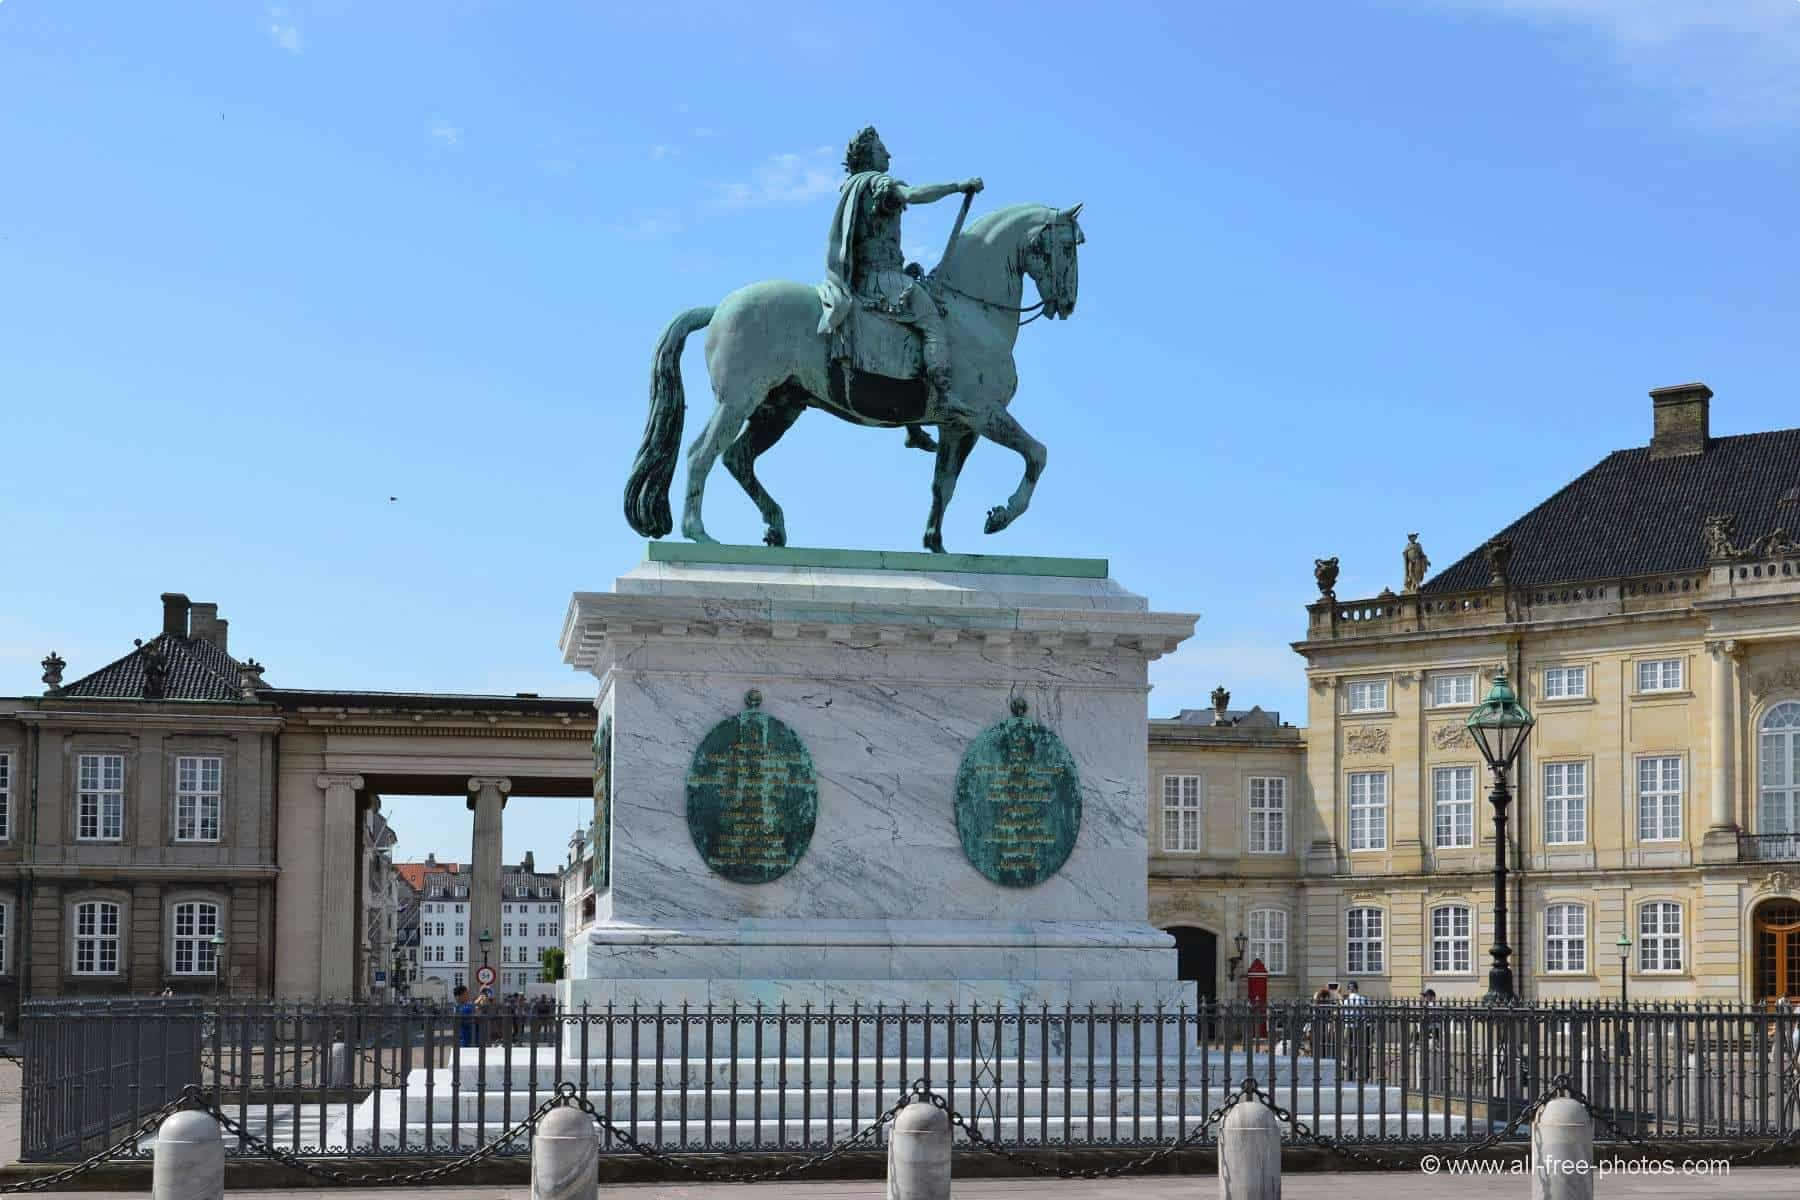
1731, 63
445, 134
660, 151
784, 179
283, 31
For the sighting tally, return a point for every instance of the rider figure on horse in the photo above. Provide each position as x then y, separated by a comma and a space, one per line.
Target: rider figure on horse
864, 264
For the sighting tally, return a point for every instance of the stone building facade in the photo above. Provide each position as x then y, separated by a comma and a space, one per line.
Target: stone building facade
530, 923
1649, 615
137, 822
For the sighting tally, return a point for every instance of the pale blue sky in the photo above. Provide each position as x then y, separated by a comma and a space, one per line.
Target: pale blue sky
1353, 269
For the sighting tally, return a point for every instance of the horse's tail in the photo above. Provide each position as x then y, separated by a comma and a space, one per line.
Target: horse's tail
647, 490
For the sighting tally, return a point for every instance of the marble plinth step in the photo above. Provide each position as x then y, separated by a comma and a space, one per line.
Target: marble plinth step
1007, 1127
822, 1069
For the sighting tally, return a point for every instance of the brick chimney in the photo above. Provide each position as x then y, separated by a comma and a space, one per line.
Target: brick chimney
175, 614
204, 624
529, 866
1681, 420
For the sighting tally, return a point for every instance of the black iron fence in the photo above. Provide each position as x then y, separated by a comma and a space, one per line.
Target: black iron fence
330, 1080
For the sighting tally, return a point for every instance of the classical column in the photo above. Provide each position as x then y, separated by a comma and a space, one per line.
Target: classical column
487, 800
1720, 843
337, 902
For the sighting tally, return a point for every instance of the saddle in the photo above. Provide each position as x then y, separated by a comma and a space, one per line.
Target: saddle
877, 373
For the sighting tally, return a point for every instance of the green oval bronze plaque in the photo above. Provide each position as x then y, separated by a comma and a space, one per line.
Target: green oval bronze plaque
752, 796
1018, 802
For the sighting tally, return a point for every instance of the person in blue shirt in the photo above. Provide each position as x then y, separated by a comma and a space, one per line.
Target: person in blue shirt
465, 1013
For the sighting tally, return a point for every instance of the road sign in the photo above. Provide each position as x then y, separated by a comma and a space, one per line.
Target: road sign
380, 976
485, 975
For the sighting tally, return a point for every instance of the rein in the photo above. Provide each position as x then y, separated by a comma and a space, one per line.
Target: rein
1037, 310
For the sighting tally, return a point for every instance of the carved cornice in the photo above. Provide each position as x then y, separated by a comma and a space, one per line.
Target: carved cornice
1776, 881
1366, 739
327, 782
498, 782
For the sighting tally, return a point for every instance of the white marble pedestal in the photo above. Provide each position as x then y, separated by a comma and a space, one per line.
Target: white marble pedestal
887, 666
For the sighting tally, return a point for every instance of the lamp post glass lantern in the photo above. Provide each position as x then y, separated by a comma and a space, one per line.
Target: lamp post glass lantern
1499, 725
486, 939
1237, 960
218, 945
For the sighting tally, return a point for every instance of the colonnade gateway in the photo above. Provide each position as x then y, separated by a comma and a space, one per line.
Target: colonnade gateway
341, 752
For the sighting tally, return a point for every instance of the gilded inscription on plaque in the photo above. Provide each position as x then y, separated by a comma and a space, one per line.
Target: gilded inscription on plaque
1018, 802
602, 834
752, 796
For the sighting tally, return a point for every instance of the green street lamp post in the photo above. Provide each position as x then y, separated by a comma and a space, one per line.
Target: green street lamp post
218, 945
486, 939
1499, 726
1624, 945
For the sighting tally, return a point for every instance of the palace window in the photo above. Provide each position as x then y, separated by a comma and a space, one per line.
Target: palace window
1565, 939
1453, 806
3, 917
1368, 811
1268, 814
1181, 813
1778, 807
1366, 695
459, 951
1565, 683
1447, 690
96, 938
1659, 798
459, 929
5, 797
1450, 939
1268, 939
506, 929
197, 798
1659, 675
191, 952
1659, 936
100, 803
1565, 803
1363, 942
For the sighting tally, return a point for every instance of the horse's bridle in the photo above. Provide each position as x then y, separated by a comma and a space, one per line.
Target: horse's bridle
1037, 310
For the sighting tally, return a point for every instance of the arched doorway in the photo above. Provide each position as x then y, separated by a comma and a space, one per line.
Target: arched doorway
1197, 959
1776, 967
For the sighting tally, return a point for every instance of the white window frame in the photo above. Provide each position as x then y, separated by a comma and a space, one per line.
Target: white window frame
1660, 940
1268, 939
1373, 691
1659, 801
1565, 804
1452, 803
1658, 672
1453, 940
1365, 952
199, 806
1267, 833
100, 807
1374, 810
1461, 697
1565, 938
95, 937
6, 774
1555, 685
1778, 767
1183, 813
203, 919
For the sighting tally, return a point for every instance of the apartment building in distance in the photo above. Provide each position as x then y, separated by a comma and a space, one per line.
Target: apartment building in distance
530, 923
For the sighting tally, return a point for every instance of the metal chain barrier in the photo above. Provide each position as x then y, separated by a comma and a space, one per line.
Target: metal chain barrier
125, 1148
1649, 1147
983, 1142
567, 1093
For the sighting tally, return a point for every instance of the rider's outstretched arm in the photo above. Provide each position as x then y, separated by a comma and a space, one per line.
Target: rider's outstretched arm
929, 192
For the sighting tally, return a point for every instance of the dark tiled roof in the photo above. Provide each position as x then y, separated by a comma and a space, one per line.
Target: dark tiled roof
1255, 717
1631, 514
292, 699
197, 670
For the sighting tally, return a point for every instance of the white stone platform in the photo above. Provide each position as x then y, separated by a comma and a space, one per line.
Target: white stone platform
887, 667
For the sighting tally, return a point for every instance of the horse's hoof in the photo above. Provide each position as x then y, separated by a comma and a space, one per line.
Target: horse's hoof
918, 439
700, 537
934, 542
997, 519
774, 537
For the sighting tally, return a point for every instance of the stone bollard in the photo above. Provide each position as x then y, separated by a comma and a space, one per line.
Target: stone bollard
337, 1074
1562, 1152
919, 1154
1250, 1152
189, 1160
565, 1156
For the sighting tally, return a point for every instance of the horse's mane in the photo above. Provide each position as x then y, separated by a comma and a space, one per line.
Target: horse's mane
998, 231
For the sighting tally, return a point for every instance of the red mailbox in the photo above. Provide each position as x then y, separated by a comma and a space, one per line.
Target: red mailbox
1257, 982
